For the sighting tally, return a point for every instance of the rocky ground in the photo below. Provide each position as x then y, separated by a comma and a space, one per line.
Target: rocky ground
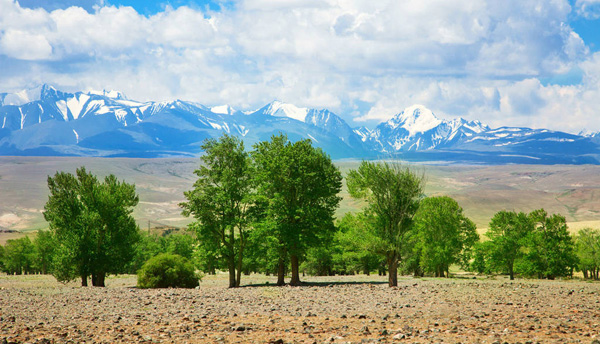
355, 309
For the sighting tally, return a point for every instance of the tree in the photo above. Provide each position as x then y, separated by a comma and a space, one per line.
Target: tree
181, 244
19, 256
445, 234
298, 188
93, 226
221, 202
393, 193
481, 257
357, 245
507, 233
550, 250
587, 246
44, 247
2, 254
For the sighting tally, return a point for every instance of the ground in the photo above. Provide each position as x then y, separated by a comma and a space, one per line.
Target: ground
353, 309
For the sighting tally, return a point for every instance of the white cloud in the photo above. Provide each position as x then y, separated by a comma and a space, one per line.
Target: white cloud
478, 59
24, 45
589, 9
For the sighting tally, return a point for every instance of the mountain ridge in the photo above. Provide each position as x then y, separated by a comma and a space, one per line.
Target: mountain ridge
107, 123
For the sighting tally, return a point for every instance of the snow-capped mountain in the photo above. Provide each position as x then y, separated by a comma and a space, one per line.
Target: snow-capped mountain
417, 128
46, 121
323, 119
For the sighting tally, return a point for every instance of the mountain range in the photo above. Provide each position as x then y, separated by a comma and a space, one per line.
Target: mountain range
47, 122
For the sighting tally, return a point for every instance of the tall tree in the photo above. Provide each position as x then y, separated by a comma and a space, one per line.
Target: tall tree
92, 222
298, 186
221, 202
507, 233
393, 193
445, 234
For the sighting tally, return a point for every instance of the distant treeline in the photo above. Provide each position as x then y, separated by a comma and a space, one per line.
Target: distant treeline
271, 210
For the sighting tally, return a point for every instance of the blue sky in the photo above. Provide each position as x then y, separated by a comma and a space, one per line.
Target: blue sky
514, 62
141, 6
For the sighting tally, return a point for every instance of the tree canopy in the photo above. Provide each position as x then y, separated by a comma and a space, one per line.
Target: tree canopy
507, 233
393, 193
298, 187
445, 235
221, 202
92, 223
587, 245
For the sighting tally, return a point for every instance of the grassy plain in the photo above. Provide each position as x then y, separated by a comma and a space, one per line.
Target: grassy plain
573, 191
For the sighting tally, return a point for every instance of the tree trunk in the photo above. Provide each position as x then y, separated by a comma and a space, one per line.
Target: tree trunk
84, 281
511, 272
392, 271
98, 279
231, 267
281, 272
239, 268
295, 271
585, 274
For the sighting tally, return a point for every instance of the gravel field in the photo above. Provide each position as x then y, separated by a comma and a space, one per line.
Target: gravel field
349, 309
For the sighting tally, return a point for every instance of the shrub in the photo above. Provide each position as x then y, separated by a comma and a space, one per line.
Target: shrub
168, 270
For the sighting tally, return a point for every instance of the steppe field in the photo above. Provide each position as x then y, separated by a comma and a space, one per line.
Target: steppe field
348, 309
573, 191
339, 309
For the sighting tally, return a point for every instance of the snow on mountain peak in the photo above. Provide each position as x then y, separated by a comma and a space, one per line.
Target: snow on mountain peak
223, 109
25, 96
280, 109
110, 94
588, 133
415, 119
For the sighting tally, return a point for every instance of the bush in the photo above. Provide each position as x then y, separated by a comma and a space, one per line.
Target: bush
168, 270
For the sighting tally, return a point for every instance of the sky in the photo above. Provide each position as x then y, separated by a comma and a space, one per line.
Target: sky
533, 63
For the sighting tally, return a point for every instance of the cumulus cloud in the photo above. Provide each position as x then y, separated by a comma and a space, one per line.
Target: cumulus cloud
24, 45
478, 59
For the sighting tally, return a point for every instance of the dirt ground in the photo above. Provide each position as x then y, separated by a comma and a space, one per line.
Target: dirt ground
350, 309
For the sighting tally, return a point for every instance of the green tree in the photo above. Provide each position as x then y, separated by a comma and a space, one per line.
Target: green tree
221, 202
298, 188
587, 246
148, 246
2, 258
92, 223
19, 256
507, 233
481, 258
44, 247
550, 249
445, 234
358, 247
181, 244
393, 193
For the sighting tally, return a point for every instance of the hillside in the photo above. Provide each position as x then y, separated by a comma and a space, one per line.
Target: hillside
481, 190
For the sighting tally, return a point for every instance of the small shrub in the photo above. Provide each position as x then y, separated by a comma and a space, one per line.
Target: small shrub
168, 270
